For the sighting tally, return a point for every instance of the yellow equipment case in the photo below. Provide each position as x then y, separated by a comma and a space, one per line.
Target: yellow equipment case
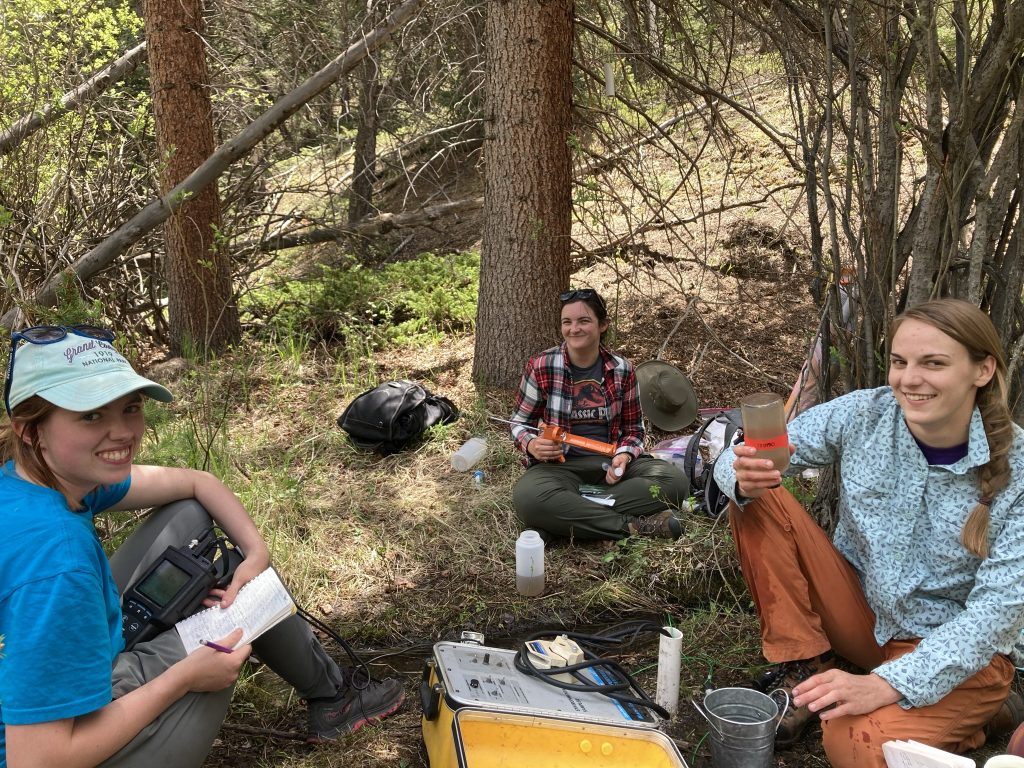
479, 711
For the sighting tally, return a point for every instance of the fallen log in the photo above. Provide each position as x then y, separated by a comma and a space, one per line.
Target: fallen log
372, 226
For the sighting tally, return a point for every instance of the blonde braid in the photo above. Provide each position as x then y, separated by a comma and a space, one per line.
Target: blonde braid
995, 474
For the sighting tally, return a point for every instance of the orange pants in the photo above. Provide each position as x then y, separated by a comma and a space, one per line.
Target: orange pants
809, 599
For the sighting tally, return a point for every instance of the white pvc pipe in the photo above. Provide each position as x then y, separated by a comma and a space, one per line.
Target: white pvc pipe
670, 652
609, 79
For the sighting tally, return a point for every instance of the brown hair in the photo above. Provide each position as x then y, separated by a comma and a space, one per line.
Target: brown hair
972, 328
25, 449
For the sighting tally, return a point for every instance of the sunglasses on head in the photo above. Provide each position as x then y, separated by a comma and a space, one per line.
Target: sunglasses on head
580, 294
47, 334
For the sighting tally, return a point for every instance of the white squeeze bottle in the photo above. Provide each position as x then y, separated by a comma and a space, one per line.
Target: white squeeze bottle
469, 454
530, 563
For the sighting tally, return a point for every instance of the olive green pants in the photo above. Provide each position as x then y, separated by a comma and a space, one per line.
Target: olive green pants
548, 497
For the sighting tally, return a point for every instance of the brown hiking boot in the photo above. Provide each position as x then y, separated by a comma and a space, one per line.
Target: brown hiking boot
1009, 716
786, 676
664, 525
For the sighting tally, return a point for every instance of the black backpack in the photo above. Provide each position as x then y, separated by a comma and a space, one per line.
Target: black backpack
710, 499
390, 416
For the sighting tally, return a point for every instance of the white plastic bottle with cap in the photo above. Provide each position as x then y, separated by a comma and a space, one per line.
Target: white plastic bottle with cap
529, 563
469, 454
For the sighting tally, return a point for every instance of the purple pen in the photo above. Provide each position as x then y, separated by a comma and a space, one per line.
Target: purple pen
215, 646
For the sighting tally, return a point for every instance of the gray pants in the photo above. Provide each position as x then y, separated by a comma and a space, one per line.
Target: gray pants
548, 496
183, 734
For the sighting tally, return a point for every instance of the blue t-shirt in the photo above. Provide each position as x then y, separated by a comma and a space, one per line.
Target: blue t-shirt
60, 612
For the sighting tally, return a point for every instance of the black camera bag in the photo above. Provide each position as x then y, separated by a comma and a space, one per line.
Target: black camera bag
390, 416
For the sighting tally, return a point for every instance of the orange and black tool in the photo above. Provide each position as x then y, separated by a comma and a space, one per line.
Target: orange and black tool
563, 435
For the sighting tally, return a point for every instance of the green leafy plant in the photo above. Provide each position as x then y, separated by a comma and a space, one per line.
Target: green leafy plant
404, 302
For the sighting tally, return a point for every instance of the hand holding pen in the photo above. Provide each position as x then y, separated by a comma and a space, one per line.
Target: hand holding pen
217, 668
216, 646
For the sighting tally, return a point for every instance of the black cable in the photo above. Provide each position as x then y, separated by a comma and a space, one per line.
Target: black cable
359, 666
359, 678
625, 691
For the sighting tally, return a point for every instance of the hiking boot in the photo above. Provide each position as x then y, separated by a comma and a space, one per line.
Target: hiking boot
787, 676
350, 710
1009, 716
664, 525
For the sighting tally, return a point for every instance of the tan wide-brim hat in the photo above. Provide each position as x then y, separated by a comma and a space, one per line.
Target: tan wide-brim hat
666, 395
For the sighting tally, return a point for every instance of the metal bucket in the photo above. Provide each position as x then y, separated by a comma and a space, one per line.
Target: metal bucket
743, 724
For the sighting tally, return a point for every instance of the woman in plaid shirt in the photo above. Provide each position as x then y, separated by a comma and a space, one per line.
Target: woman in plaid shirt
586, 388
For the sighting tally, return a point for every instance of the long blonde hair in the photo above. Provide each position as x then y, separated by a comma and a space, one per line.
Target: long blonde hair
972, 328
25, 449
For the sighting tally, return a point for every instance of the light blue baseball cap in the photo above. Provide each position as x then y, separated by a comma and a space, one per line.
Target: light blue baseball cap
77, 373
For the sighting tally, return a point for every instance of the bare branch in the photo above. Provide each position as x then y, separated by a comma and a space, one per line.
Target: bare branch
94, 86
371, 226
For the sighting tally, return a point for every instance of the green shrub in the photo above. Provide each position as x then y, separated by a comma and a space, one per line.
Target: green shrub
410, 301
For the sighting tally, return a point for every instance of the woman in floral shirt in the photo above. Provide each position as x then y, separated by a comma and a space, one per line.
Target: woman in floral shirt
922, 584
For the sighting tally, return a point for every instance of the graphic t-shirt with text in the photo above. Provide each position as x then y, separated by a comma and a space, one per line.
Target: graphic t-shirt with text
589, 411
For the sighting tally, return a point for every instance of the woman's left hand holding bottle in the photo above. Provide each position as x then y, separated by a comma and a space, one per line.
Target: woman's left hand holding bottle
617, 468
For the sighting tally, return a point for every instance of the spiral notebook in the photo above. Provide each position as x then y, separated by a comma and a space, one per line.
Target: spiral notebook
261, 604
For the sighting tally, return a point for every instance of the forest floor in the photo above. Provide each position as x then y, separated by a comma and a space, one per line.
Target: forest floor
399, 552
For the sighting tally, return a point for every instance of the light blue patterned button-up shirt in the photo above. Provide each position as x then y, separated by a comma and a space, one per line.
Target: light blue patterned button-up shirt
899, 523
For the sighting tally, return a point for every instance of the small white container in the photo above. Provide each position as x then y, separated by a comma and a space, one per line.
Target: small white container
529, 563
1005, 761
469, 454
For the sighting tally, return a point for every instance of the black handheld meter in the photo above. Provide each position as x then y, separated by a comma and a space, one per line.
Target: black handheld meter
174, 586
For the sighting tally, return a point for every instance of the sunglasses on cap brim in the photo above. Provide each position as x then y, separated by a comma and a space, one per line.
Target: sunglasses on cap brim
47, 334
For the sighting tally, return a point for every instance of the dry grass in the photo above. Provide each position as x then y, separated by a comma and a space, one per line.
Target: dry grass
398, 552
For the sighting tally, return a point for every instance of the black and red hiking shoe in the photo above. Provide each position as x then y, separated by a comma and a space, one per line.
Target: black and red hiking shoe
787, 676
350, 710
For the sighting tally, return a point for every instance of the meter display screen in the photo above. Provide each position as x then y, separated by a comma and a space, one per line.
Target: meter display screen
163, 583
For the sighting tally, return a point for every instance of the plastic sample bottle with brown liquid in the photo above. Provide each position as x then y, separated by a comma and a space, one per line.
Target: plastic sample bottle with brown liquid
529, 563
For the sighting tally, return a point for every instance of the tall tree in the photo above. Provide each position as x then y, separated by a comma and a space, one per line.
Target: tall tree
527, 184
201, 306
116, 243
364, 160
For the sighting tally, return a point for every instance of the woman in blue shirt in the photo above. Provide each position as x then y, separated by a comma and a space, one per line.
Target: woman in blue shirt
69, 693
922, 584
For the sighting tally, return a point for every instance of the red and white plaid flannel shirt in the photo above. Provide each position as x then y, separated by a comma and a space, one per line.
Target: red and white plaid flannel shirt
545, 394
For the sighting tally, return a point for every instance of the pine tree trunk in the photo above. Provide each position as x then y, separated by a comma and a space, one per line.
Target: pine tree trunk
364, 160
527, 184
202, 314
